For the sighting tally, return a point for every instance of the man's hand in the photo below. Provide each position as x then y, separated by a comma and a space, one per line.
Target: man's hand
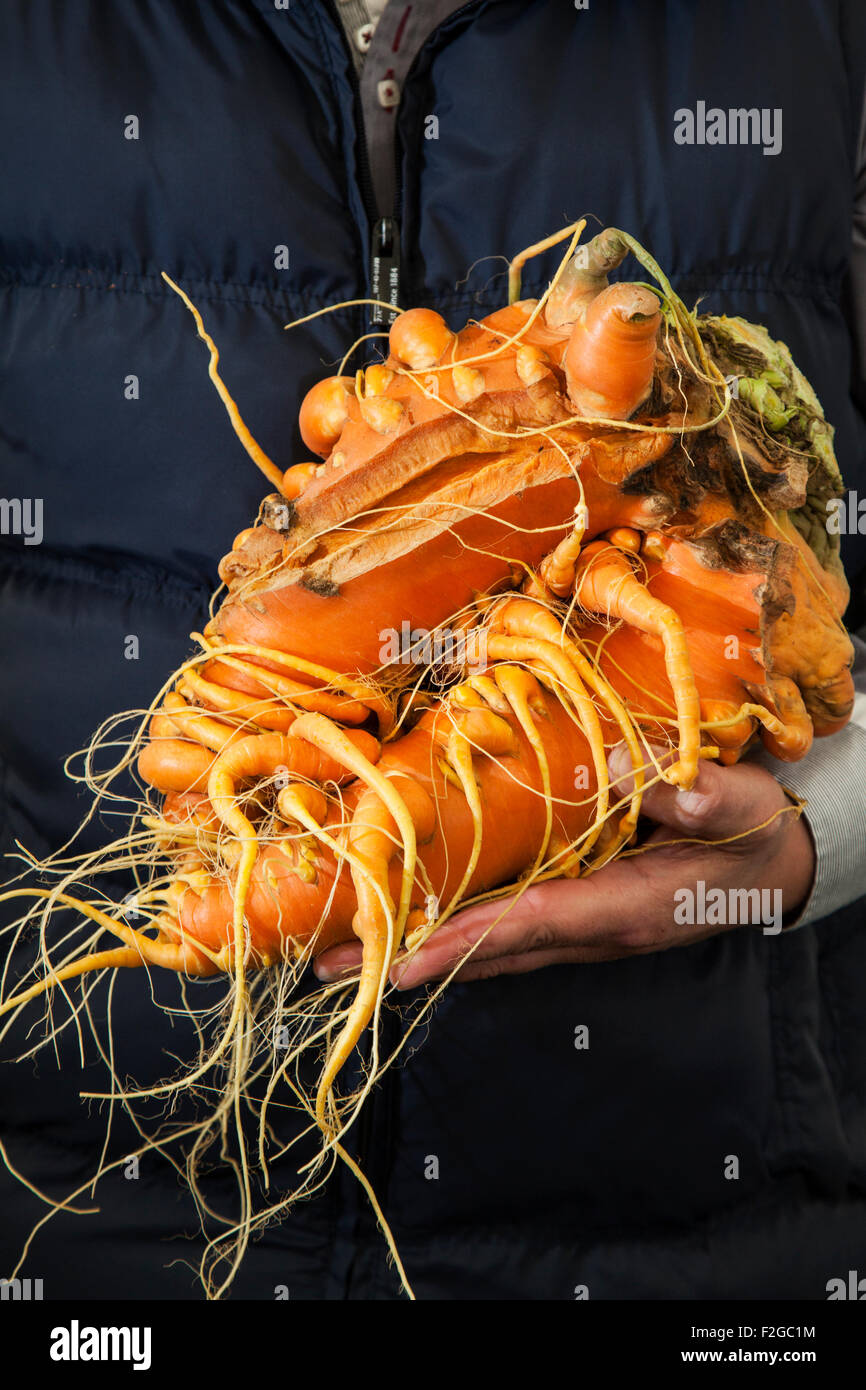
628, 907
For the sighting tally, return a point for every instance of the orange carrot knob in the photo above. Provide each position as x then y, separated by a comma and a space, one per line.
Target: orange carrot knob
654, 546
611, 353
419, 337
171, 765
297, 478
324, 412
377, 379
531, 364
303, 796
468, 383
729, 727
382, 413
624, 538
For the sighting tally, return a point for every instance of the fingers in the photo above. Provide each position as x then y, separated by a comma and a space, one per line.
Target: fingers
339, 960
562, 955
581, 920
510, 926
544, 918
609, 949
424, 968
724, 802
627, 907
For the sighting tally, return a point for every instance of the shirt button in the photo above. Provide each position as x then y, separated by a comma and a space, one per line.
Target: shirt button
388, 92
364, 37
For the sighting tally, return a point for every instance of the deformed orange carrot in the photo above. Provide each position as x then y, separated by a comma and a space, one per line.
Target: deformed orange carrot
610, 356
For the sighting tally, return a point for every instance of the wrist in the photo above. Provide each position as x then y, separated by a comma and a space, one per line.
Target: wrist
797, 869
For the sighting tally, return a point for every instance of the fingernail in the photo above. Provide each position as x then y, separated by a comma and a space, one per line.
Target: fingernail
399, 973
620, 768
692, 803
619, 759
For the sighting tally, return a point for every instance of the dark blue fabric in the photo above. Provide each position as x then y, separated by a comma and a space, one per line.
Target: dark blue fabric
557, 1167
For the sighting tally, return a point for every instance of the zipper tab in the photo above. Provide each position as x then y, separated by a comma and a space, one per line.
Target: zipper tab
384, 271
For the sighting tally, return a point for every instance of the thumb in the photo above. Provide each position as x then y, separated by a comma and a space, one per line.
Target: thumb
724, 800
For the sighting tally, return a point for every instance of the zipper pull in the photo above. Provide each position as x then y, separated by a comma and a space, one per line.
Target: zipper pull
384, 271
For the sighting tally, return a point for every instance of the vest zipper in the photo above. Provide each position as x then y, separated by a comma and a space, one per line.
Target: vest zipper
383, 269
